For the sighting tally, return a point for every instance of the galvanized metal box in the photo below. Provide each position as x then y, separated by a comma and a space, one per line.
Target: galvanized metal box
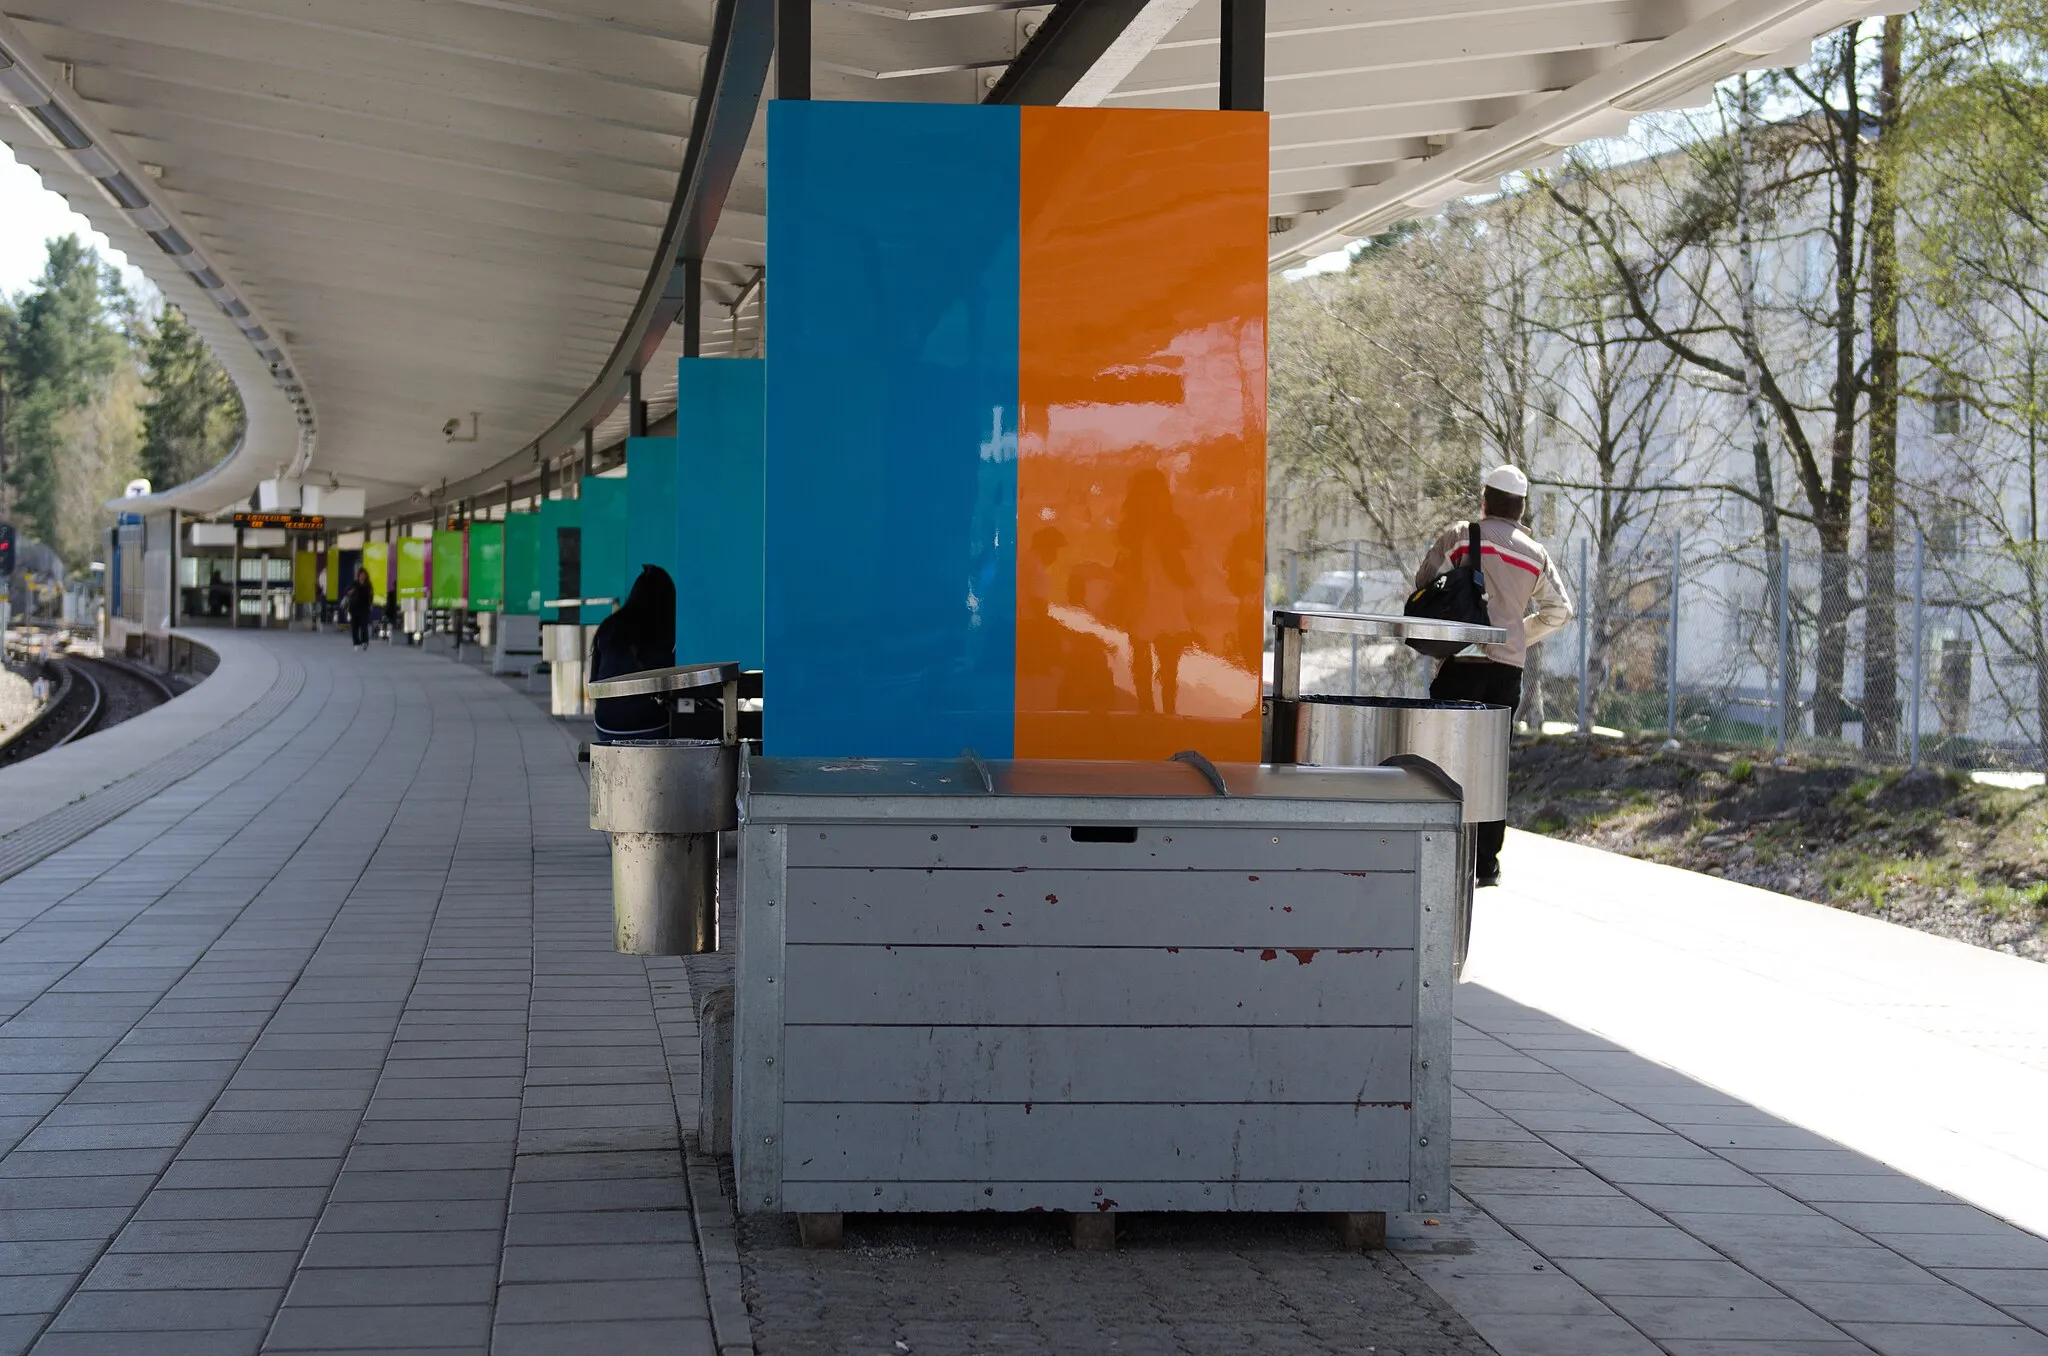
1093, 986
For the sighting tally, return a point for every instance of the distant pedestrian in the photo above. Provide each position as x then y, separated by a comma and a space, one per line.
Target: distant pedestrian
361, 597
1524, 597
639, 636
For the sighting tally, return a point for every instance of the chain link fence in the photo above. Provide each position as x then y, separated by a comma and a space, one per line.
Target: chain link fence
1919, 656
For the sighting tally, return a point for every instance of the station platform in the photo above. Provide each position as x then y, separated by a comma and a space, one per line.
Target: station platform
312, 1039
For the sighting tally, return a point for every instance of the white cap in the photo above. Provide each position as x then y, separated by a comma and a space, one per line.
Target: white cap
1508, 480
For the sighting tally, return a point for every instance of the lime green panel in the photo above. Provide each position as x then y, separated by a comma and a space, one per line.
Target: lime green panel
333, 574
305, 577
377, 560
486, 566
522, 563
412, 567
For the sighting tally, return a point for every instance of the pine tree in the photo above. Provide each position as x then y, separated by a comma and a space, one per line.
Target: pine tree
62, 348
192, 415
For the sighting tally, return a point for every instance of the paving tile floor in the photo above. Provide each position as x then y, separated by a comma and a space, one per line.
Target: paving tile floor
1703, 1120
324, 1048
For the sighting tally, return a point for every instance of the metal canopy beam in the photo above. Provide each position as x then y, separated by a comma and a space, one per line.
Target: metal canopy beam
1243, 72
1084, 49
792, 49
729, 101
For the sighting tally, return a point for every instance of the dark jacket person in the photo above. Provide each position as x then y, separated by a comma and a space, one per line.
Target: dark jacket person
639, 636
360, 597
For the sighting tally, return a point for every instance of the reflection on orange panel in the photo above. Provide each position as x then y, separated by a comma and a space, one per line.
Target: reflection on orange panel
1141, 472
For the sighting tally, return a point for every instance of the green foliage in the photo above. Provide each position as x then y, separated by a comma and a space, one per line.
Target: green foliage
64, 347
1741, 770
193, 415
93, 393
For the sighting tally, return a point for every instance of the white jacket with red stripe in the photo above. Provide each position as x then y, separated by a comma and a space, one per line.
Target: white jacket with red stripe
1523, 590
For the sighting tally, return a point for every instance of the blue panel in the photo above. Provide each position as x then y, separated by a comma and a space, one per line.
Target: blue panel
604, 542
891, 399
651, 509
720, 463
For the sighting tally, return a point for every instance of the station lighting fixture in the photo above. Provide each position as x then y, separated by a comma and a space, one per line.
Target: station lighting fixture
34, 96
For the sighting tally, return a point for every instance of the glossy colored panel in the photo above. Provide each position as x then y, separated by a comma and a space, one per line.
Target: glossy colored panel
412, 567
719, 467
605, 513
377, 560
556, 517
522, 563
447, 585
1142, 459
305, 576
891, 400
651, 508
486, 567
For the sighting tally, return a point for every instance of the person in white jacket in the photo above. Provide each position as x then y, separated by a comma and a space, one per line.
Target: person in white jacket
1524, 596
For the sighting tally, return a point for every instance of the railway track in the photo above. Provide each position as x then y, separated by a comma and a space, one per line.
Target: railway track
90, 695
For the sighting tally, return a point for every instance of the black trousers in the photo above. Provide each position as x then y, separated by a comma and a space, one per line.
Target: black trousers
1481, 680
359, 630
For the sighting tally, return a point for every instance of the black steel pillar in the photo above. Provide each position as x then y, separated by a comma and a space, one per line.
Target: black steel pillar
1243, 72
693, 308
590, 445
636, 416
792, 49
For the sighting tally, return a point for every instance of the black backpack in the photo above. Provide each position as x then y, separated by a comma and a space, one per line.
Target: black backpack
1456, 595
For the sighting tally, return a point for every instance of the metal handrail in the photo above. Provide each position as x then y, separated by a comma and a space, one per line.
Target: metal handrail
1289, 624
1386, 624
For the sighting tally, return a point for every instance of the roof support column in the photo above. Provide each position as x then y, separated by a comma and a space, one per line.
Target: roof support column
590, 444
636, 417
1243, 72
792, 49
693, 308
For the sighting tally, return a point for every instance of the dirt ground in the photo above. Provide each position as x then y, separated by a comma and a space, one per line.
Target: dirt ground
1925, 848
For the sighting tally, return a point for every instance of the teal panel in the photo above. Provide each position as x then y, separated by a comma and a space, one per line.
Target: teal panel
651, 518
522, 563
720, 461
605, 575
556, 516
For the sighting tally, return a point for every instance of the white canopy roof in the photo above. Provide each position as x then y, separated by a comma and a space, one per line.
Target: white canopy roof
428, 208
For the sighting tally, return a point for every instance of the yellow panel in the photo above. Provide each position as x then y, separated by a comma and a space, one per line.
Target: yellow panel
1141, 475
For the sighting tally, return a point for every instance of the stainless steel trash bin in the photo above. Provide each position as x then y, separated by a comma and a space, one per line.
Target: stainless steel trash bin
566, 646
664, 802
1467, 742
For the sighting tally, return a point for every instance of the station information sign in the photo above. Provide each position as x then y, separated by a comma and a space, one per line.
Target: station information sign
290, 522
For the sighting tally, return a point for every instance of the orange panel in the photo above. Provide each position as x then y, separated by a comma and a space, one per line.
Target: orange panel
1141, 471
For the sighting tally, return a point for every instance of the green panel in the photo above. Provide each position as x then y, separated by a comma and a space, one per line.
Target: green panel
447, 580
305, 577
486, 566
412, 567
377, 560
556, 515
522, 563
604, 543
333, 574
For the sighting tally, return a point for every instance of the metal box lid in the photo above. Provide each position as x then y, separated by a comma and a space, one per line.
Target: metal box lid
970, 788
